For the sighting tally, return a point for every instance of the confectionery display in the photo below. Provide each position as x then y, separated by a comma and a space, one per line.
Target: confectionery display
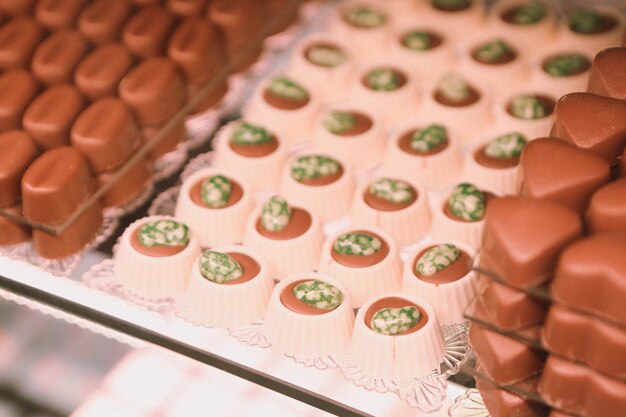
410, 189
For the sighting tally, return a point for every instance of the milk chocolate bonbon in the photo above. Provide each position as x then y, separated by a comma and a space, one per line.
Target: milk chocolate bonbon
592, 122
556, 171
502, 403
146, 32
55, 185
56, 15
590, 276
49, 118
17, 7
56, 58
154, 89
17, 89
608, 77
17, 151
12, 233
101, 21
100, 72
607, 208
106, 133
18, 39
514, 250
127, 187
186, 8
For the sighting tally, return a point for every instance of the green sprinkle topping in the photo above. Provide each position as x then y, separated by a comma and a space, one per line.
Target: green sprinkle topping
510, 145
437, 259
285, 88
164, 233
383, 79
365, 17
326, 56
417, 40
360, 244
493, 51
318, 294
393, 321
467, 202
528, 107
215, 191
275, 214
454, 88
429, 138
310, 167
339, 121
564, 65
394, 191
248, 134
219, 267
530, 14
585, 21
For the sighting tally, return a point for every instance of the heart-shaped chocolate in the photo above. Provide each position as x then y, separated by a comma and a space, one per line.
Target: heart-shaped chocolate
556, 171
592, 122
508, 308
505, 360
608, 77
522, 238
590, 276
607, 208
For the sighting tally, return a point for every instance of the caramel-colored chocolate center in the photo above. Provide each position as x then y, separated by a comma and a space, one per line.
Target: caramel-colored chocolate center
289, 300
457, 270
249, 266
300, 222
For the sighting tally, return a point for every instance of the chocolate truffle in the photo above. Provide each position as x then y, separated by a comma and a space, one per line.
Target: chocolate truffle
186, 8
18, 39
101, 20
592, 122
608, 77
55, 185
507, 308
106, 133
17, 89
50, 116
146, 32
57, 56
240, 24
586, 339
590, 276
12, 233
505, 360
154, 89
56, 15
17, 151
607, 209
100, 72
522, 238
557, 171
577, 389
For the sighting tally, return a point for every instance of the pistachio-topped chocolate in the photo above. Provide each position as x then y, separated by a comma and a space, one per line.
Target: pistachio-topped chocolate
509, 145
588, 22
392, 190
339, 121
494, 52
436, 259
527, 14
312, 167
365, 17
318, 294
420, 40
358, 244
394, 321
215, 191
428, 138
219, 267
566, 64
451, 5
325, 55
163, 233
528, 107
287, 89
453, 88
467, 202
250, 134
275, 214
384, 79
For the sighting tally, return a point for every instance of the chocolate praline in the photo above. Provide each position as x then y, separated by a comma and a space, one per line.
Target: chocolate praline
17, 151
299, 223
235, 196
250, 268
100, 21
381, 204
255, 150
146, 32
55, 15
405, 145
396, 302
18, 39
289, 300
362, 261
362, 123
100, 72
56, 58
17, 89
455, 271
